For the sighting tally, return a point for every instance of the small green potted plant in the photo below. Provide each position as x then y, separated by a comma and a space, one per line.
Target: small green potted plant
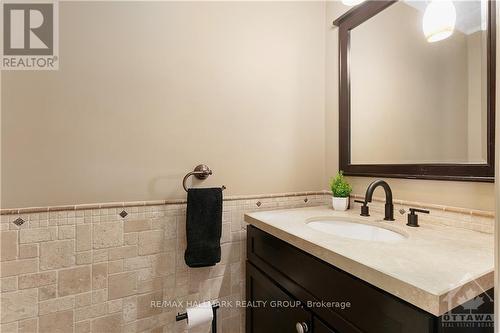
340, 191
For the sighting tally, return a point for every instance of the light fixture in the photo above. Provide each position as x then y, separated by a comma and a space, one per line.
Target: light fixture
352, 2
439, 20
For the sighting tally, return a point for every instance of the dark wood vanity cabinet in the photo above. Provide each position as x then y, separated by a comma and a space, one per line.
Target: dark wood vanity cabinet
288, 290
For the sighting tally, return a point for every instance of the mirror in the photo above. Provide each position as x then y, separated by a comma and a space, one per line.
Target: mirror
415, 90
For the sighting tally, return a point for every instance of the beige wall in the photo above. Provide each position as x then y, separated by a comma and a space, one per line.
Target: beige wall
470, 195
142, 98
239, 86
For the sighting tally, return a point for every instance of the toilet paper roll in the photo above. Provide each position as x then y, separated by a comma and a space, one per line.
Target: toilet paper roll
200, 314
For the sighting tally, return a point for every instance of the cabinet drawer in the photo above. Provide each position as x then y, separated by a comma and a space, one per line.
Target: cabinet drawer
304, 276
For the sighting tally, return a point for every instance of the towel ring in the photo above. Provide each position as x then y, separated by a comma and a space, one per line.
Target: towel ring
201, 172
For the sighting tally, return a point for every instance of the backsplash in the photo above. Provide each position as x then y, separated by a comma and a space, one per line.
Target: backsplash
96, 268
478, 220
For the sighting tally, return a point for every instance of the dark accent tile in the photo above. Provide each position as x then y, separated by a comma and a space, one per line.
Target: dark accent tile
306, 200
258, 203
19, 221
123, 214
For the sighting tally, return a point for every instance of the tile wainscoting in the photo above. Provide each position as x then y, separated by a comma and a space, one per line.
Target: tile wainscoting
72, 269
96, 268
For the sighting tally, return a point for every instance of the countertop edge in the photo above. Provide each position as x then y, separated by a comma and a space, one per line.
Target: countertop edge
434, 304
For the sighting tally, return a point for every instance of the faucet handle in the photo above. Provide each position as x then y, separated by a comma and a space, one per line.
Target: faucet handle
413, 218
418, 210
365, 210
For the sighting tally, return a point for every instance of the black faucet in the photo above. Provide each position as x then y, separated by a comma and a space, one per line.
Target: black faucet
389, 206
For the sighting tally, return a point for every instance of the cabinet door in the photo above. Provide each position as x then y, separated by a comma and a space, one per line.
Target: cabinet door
320, 327
272, 310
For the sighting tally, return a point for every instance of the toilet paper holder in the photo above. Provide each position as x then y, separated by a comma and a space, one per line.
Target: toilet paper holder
215, 306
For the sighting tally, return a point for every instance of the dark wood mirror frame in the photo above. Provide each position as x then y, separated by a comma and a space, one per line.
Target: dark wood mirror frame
462, 172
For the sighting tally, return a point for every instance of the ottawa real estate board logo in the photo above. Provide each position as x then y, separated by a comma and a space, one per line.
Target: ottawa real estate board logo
30, 35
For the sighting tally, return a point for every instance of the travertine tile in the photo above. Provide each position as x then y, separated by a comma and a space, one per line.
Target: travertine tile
18, 267
57, 254
144, 308
56, 305
47, 292
83, 237
28, 251
144, 259
122, 252
82, 327
18, 305
122, 285
8, 245
115, 266
59, 322
99, 296
67, 232
99, 276
108, 324
9, 328
37, 235
137, 225
130, 309
37, 280
172, 245
130, 328
74, 281
157, 223
150, 285
136, 263
82, 300
163, 264
130, 238
147, 324
150, 242
107, 234
83, 258
115, 306
92, 311
230, 252
99, 255
28, 326
170, 228
226, 233
8, 284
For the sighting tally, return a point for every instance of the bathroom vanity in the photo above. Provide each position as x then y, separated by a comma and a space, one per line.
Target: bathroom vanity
302, 278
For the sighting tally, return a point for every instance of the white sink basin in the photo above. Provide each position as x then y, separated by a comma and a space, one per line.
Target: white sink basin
353, 230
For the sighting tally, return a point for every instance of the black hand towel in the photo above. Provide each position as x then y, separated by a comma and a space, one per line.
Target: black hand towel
203, 226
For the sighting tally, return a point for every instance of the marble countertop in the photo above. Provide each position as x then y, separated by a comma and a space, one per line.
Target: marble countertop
435, 267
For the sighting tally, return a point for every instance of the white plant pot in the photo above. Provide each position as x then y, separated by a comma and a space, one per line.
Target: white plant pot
340, 204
